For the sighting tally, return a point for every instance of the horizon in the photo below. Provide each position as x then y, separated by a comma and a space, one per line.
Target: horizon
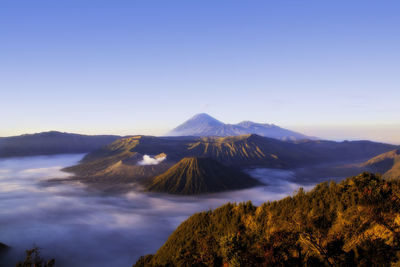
323, 69
326, 132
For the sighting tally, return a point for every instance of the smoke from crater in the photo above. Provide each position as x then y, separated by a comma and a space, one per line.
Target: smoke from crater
148, 160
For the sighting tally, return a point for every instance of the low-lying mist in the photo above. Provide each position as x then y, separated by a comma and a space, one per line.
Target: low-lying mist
80, 227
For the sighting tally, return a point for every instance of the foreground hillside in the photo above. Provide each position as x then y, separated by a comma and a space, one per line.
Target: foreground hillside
48, 143
353, 223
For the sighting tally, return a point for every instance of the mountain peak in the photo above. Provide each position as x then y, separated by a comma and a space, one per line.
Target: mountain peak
198, 175
199, 124
248, 124
204, 117
204, 125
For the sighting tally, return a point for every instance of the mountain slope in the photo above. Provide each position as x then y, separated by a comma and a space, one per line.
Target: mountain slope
272, 131
205, 125
352, 223
53, 142
118, 160
200, 175
244, 150
200, 124
387, 164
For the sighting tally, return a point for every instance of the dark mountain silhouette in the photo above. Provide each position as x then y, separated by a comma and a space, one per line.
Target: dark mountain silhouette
388, 164
47, 143
200, 175
205, 125
3, 248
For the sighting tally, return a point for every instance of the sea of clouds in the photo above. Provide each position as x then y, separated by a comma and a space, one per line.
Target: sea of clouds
81, 227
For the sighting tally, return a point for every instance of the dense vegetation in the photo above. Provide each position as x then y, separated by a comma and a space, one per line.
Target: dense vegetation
200, 175
48, 143
33, 259
355, 222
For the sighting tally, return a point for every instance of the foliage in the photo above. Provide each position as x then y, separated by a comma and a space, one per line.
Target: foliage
33, 259
355, 222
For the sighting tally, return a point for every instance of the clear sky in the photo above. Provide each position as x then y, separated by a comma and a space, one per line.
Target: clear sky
326, 68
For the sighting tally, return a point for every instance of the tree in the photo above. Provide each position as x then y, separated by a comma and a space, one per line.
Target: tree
33, 259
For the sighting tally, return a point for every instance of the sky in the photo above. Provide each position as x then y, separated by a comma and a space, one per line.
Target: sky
325, 68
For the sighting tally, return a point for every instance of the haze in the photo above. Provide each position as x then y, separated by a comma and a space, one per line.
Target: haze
327, 69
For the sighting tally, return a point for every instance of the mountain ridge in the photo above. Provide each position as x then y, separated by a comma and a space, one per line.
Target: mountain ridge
197, 175
117, 161
52, 142
205, 125
388, 164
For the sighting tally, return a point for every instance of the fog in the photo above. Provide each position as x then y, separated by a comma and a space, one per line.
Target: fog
81, 227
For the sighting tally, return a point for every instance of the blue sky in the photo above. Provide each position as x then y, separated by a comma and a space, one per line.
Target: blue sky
326, 68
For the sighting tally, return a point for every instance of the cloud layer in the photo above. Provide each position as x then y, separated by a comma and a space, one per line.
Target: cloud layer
81, 227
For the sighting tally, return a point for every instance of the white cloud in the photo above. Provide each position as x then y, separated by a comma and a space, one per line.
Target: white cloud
147, 160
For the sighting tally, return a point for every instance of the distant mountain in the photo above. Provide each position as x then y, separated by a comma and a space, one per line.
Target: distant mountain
118, 162
205, 125
47, 143
115, 169
200, 175
388, 164
120, 158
